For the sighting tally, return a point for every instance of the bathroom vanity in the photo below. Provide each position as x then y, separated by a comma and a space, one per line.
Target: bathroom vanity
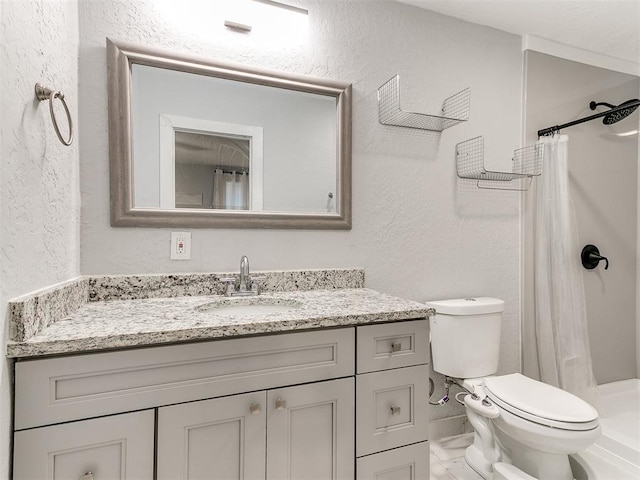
333, 386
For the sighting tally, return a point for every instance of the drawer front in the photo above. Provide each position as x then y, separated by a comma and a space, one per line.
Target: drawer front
116, 447
83, 386
391, 409
406, 463
392, 345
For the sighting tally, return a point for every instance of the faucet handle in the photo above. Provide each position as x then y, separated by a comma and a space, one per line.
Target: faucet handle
231, 284
254, 282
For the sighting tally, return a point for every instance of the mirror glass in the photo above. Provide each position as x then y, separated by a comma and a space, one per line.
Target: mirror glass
199, 157
197, 142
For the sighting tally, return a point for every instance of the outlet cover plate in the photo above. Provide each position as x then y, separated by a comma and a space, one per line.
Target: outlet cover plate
180, 245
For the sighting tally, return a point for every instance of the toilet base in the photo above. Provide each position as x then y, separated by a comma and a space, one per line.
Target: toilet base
505, 471
475, 459
533, 461
528, 463
541, 465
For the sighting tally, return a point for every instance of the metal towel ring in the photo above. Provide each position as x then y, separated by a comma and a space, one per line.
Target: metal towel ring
44, 93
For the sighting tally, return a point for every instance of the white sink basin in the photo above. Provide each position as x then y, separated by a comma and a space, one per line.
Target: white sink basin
249, 306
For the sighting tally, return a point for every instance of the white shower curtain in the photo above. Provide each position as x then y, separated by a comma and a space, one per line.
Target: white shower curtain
230, 190
561, 321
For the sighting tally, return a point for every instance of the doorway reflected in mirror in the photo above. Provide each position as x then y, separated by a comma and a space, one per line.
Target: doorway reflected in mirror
212, 171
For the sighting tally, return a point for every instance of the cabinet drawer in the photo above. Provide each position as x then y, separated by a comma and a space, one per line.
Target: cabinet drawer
117, 447
406, 463
83, 386
391, 409
392, 345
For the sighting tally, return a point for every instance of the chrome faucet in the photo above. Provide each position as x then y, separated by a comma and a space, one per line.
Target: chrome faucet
244, 273
247, 285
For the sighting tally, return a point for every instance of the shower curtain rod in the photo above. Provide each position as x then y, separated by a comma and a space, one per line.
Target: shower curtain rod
550, 130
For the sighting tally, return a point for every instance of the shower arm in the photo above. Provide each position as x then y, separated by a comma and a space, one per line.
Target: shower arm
619, 108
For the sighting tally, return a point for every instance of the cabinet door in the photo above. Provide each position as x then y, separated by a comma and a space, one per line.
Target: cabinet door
219, 439
116, 447
310, 433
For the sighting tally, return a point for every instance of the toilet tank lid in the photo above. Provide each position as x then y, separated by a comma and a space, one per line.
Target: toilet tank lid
468, 306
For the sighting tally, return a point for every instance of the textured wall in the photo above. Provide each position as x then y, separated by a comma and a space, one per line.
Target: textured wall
39, 193
603, 179
418, 231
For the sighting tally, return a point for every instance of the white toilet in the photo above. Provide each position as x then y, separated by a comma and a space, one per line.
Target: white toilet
524, 429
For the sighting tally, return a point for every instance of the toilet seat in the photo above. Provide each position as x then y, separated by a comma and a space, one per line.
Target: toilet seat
540, 403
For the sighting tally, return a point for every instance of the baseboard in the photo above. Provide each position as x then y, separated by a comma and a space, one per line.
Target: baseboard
448, 427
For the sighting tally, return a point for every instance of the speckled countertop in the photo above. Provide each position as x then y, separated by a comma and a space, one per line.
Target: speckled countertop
100, 325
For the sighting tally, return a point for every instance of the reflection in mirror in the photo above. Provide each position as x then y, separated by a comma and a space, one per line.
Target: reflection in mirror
201, 157
203, 164
196, 142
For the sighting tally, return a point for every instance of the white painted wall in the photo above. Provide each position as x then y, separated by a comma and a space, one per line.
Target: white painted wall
418, 231
39, 177
603, 170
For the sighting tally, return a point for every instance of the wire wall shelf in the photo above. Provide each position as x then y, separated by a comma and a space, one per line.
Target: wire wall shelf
526, 164
455, 110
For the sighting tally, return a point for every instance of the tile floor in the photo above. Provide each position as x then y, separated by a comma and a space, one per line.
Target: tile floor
447, 462
447, 459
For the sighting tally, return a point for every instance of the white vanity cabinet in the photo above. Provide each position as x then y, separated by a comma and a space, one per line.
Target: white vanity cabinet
303, 432
392, 416
211, 402
272, 407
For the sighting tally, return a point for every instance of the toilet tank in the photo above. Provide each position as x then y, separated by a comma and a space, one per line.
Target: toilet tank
465, 336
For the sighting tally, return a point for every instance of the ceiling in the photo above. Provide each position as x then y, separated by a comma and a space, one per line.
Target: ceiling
214, 150
608, 27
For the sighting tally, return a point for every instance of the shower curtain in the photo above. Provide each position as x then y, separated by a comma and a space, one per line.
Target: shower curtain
561, 317
230, 190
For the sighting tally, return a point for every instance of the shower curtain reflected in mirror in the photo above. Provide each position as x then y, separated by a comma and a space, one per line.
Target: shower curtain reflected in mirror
230, 190
560, 313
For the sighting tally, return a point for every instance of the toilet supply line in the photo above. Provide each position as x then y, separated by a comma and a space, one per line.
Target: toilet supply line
448, 383
444, 399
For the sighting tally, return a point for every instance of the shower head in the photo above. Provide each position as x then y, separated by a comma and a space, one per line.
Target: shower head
618, 115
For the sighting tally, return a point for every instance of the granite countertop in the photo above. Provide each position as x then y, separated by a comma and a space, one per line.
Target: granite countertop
113, 324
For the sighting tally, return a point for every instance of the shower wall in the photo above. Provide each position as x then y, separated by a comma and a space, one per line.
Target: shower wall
603, 178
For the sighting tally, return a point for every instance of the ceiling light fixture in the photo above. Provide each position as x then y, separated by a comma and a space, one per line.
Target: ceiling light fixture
269, 23
239, 27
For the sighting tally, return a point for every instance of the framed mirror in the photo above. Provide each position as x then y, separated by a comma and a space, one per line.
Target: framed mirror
195, 142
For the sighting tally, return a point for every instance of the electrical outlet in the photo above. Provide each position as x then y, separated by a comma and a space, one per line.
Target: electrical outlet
180, 245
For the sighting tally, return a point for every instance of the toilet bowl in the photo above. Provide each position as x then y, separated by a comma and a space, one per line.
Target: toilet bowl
540, 425
524, 429
528, 424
